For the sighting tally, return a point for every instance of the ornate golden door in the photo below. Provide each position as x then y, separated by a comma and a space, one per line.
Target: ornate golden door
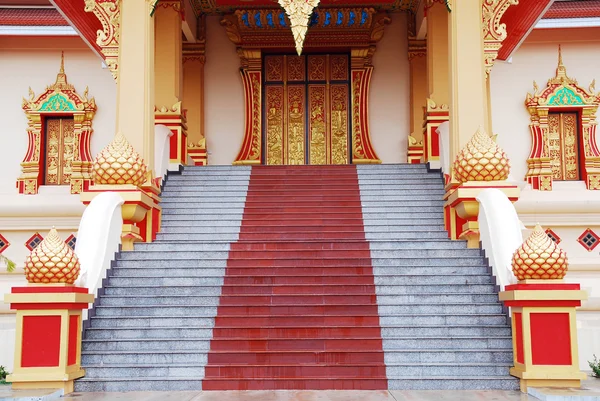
60, 148
306, 114
563, 145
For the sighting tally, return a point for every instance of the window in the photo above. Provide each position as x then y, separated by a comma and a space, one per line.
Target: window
60, 150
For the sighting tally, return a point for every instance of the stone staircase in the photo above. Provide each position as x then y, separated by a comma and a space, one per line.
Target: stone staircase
267, 283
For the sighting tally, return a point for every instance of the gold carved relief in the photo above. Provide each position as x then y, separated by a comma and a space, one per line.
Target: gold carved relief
562, 145
274, 68
108, 38
296, 133
274, 121
494, 32
339, 124
317, 126
317, 68
295, 68
60, 153
339, 67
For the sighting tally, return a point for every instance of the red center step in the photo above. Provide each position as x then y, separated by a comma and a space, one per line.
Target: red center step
298, 309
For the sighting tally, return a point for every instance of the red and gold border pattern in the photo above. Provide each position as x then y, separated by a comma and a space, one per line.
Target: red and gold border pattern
58, 100
562, 94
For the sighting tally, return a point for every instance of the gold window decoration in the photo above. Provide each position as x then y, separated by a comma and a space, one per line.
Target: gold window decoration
563, 132
59, 127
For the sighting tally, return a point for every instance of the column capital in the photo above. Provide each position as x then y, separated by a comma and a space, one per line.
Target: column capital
416, 48
109, 14
194, 52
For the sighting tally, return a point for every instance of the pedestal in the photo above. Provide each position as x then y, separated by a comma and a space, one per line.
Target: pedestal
544, 332
461, 208
141, 212
48, 335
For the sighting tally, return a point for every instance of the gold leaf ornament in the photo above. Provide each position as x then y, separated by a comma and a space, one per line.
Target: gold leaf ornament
539, 258
299, 12
481, 160
119, 163
52, 261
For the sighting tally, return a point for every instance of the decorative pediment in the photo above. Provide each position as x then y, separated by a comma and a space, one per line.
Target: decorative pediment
562, 91
335, 27
59, 97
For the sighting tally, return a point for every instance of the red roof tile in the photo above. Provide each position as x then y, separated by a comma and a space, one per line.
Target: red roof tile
574, 9
31, 17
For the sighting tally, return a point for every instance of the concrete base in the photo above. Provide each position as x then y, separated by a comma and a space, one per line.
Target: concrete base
589, 391
7, 393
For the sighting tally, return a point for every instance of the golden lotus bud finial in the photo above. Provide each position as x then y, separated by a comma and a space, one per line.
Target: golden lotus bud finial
52, 261
539, 258
481, 160
119, 163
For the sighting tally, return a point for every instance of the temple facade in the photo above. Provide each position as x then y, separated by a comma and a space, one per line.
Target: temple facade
377, 82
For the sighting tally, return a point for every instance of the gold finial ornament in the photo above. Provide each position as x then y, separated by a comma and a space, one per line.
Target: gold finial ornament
299, 12
52, 261
119, 163
539, 258
481, 160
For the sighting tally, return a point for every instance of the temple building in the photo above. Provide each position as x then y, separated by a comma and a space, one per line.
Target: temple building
248, 145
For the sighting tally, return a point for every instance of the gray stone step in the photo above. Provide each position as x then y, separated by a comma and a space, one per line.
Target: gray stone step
139, 259
474, 303
341, 245
145, 370
467, 342
142, 344
459, 369
127, 383
175, 271
501, 382
118, 333
444, 320
143, 357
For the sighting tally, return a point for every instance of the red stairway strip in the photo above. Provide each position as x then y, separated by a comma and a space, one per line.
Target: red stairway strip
298, 309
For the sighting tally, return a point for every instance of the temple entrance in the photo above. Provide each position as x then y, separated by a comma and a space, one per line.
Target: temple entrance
306, 109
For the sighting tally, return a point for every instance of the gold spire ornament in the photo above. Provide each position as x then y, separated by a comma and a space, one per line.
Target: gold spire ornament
52, 261
299, 12
539, 258
481, 160
119, 163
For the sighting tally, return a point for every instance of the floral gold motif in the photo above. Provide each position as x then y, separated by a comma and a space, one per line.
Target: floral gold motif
119, 163
539, 258
481, 160
52, 261
299, 12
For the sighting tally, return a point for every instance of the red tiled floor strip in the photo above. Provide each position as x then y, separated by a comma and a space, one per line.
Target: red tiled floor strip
298, 308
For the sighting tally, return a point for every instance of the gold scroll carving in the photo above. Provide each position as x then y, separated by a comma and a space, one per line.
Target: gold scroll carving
339, 124
295, 127
562, 145
60, 134
317, 126
274, 124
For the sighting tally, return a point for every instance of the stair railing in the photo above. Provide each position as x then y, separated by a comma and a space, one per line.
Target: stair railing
501, 233
98, 239
162, 149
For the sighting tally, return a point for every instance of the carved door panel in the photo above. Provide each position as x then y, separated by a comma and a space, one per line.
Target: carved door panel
60, 150
306, 109
563, 145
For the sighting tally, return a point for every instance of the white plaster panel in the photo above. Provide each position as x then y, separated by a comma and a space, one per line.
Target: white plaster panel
223, 96
37, 68
389, 101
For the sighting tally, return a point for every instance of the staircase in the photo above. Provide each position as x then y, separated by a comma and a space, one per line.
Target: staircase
308, 277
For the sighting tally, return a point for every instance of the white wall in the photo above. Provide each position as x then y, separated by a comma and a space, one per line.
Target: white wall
223, 96
25, 65
536, 60
389, 102
569, 209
